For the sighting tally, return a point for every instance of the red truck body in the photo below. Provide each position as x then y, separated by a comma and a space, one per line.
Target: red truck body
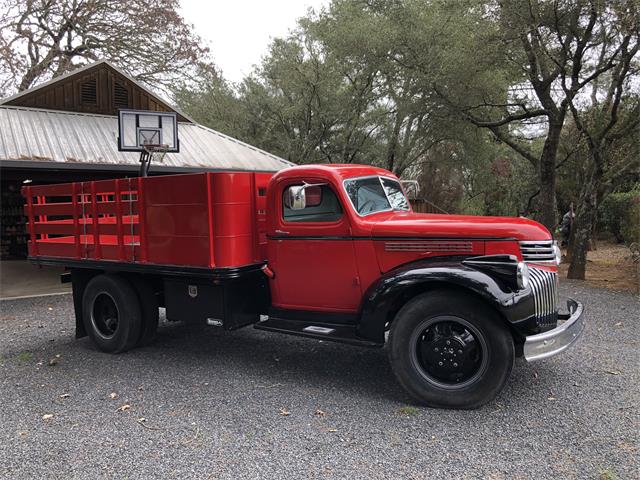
324, 251
199, 220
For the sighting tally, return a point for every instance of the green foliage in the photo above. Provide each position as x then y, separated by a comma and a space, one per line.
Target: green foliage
607, 474
620, 215
408, 410
212, 102
25, 356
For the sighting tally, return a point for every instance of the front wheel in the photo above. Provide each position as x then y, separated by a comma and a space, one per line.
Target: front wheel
449, 350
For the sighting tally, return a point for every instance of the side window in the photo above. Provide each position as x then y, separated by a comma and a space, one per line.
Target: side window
322, 205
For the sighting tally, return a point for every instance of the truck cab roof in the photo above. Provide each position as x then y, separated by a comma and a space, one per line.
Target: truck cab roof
336, 171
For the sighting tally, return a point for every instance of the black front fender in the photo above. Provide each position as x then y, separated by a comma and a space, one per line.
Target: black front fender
386, 296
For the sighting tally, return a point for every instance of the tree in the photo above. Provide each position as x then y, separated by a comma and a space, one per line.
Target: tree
212, 101
551, 44
299, 104
331, 92
149, 39
609, 122
372, 35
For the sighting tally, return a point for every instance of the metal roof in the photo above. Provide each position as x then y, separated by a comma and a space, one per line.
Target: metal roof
29, 134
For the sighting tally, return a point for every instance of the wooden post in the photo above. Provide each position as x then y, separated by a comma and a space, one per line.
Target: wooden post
119, 229
76, 219
97, 252
141, 222
32, 227
210, 218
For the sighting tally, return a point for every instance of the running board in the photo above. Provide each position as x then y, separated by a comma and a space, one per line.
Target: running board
321, 331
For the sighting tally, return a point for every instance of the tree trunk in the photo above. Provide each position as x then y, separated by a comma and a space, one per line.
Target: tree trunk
392, 146
583, 226
548, 214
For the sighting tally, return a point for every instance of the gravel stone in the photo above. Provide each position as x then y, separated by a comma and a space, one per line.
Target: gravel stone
207, 404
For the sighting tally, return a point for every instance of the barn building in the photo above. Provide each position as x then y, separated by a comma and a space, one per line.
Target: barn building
66, 130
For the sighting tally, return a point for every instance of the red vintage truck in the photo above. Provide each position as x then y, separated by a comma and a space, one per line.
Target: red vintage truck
331, 252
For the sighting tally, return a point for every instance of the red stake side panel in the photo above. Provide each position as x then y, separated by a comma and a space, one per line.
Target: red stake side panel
175, 218
210, 220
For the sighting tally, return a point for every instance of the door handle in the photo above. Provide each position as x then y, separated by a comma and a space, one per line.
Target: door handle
282, 232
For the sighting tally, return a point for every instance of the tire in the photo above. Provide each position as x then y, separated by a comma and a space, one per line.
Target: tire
148, 309
449, 350
111, 313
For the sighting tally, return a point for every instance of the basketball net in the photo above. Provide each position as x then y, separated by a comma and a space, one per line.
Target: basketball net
152, 152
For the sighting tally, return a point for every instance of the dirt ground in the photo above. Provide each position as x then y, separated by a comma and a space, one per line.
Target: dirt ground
610, 266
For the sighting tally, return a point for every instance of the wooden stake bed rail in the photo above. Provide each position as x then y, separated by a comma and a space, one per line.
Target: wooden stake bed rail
203, 220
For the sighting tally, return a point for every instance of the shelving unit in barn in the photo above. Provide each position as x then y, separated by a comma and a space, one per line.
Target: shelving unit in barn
13, 233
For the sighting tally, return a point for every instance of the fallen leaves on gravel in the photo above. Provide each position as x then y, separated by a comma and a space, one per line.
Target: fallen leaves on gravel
320, 413
143, 423
332, 430
47, 416
192, 439
113, 395
613, 372
55, 360
284, 412
124, 408
65, 395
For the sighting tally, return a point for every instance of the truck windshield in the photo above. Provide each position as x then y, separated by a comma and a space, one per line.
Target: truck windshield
375, 194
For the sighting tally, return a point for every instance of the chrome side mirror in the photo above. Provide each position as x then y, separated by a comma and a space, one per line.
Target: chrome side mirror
296, 198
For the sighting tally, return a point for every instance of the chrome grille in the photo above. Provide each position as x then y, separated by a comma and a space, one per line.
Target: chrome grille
538, 251
544, 286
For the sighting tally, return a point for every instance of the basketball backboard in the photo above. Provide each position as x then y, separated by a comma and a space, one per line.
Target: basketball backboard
140, 128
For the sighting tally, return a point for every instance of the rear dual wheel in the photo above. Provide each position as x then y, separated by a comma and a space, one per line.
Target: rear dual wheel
450, 350
117, 314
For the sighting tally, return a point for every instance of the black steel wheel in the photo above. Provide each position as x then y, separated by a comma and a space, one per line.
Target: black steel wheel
449, 349
111, 313
104, 315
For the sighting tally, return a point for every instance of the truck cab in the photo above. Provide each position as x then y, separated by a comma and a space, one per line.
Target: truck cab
330, 252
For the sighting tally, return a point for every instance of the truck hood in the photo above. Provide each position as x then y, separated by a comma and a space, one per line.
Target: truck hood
409, 224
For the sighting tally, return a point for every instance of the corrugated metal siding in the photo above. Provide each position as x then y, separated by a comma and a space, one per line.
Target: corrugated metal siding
49, 135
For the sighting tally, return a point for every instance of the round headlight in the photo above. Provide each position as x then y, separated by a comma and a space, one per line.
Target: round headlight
522, 275
557, 253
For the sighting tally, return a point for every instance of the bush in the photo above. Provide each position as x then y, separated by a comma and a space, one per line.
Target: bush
620, 215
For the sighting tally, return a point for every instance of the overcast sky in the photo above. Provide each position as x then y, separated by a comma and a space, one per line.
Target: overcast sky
239, 31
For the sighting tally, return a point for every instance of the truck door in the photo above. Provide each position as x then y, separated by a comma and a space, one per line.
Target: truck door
311, 251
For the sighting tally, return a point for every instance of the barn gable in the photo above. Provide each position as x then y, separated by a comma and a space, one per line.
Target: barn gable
98, 88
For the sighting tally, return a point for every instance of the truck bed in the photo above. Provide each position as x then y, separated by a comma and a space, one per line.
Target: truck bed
208, 220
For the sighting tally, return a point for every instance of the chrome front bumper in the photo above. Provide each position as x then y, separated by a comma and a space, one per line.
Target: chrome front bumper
547, 344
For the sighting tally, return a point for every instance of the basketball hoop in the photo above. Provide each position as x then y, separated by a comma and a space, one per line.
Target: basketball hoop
153, 134
151, 151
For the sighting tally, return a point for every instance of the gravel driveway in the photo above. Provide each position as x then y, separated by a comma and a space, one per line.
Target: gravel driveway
252, 404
